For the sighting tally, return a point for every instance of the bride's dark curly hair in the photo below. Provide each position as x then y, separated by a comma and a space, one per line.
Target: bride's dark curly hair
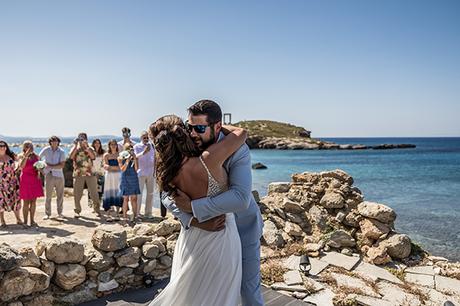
172, 144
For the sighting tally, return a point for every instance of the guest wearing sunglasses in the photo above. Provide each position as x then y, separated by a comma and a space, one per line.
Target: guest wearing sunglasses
9, 185
54, 158
145, 154
126, 132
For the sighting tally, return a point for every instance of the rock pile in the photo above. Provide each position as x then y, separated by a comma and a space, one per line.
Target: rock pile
324, 211
356, 256
65, 270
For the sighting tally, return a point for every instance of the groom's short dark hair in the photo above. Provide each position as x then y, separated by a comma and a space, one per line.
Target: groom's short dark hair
207, 107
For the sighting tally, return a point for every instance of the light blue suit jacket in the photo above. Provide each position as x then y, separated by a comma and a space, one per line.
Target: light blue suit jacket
237, 199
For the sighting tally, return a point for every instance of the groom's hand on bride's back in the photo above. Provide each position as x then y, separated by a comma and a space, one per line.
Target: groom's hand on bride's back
212, 225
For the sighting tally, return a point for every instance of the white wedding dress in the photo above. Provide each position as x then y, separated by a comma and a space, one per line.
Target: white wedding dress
206, 268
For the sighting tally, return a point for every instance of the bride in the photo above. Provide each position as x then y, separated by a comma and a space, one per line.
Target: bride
206, 267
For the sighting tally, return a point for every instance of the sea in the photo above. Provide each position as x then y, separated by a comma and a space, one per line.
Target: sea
421, 184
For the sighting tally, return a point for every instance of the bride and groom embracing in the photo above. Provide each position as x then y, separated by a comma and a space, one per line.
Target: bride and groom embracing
205, 167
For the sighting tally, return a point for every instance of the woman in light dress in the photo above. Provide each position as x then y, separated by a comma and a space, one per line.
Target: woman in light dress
112, 195
206, 267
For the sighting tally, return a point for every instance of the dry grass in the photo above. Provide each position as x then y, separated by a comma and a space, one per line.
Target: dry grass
295, 248
399, 273
339, 300
423, 297
272, 272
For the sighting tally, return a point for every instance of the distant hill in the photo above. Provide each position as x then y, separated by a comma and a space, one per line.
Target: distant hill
268, 128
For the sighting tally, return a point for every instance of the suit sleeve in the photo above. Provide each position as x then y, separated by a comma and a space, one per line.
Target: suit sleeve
237, 198
184, 218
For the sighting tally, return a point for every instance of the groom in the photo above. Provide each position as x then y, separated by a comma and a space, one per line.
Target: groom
205, 122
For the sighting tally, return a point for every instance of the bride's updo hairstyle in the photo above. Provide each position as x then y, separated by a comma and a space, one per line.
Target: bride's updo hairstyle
172, 144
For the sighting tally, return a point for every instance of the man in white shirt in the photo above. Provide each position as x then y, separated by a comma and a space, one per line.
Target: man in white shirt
145, 153
54, 157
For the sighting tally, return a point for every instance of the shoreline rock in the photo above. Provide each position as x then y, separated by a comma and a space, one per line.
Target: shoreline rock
301, 143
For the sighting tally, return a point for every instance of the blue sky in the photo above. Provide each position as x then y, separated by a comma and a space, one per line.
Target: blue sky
338, 68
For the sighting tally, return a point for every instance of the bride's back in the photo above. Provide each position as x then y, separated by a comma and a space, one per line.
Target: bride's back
193, 178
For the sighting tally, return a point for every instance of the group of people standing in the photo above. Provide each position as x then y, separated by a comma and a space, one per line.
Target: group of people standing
114, 177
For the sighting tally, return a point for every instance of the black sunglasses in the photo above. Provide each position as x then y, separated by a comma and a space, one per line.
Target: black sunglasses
2, 146
199, 128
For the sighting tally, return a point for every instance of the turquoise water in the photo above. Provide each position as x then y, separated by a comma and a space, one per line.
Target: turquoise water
422, 185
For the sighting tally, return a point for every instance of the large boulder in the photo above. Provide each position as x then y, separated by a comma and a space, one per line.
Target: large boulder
378, 255
99, 262
65, 250
272, 235
153, 249
143, 229
293, 229
139, 241
292, 207
41, 300
398, 246
339, 175
69, 276
377, 211
373, 229
109, 238
306, 177
48, 267
340, 239
332, 199
9, 258
128, 257
29, 258
22, 281
167, 227
278, 187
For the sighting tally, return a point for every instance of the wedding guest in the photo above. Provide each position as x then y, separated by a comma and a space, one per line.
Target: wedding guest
126, 132
145, 154
129, 186
83, 156
30, 183
54, 157
98, 167
9, 185
112, 196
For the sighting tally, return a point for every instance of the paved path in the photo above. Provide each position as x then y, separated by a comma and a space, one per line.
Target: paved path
144, 296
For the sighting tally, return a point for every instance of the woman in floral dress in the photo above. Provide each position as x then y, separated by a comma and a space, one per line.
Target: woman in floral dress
9, 184
30, 184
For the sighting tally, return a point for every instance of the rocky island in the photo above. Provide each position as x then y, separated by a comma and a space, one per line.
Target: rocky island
266, 134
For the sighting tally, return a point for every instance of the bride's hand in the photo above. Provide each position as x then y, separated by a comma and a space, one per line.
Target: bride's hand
183, 201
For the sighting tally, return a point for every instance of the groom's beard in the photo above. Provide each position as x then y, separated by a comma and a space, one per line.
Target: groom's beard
203, 145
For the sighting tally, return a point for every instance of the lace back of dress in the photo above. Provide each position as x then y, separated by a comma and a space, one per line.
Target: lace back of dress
214, 187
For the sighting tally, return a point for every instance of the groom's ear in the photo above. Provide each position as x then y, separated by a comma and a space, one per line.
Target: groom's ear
218, 126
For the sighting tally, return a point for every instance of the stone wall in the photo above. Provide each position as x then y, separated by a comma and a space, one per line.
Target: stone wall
67, 271
324, 211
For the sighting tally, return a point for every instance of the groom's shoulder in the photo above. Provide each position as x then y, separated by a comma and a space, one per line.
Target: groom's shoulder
241, 154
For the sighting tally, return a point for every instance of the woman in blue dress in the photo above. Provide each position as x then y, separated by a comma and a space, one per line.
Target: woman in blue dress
129, 185
112, 196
